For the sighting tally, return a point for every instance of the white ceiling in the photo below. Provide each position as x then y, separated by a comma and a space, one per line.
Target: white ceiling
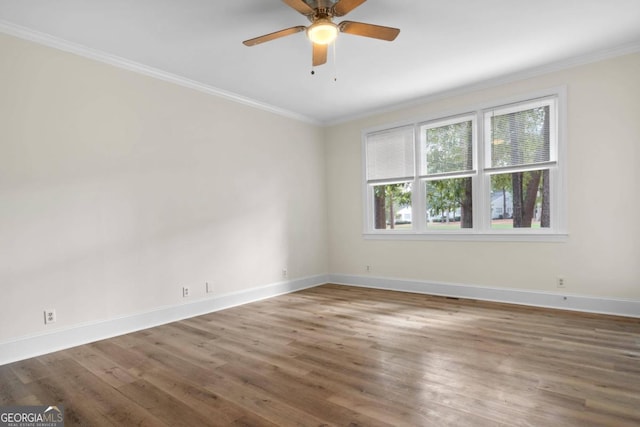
443, 45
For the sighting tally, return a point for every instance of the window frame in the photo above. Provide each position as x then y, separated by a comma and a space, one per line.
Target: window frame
421, 180
481, 174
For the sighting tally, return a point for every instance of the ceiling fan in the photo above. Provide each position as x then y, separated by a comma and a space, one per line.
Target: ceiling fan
322, 31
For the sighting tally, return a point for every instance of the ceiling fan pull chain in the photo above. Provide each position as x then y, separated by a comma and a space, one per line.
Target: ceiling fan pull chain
335, 62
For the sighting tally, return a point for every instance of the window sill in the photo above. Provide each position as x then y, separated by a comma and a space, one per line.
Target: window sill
469, 237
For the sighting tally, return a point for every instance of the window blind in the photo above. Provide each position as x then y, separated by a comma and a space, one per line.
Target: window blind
520, 138
390, 154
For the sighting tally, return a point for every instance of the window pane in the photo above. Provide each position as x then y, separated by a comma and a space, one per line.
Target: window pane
390, 154
447, 148
520, 138
449, 204
392, 206
520, 200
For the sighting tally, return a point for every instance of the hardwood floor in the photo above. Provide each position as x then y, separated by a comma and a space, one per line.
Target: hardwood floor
336, 355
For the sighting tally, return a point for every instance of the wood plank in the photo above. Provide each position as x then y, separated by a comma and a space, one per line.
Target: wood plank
97, 400
299, 393
199, 399
165, 407
338, 355
12, 389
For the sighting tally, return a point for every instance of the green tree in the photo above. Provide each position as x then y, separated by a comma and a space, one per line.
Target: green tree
445, 196
387, 200
526, 185
502, 183
522, 138
448, 150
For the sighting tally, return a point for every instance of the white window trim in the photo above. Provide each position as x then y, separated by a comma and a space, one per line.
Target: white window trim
559, 233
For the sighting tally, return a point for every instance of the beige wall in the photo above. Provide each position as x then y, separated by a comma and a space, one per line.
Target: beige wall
602, 255
117, 189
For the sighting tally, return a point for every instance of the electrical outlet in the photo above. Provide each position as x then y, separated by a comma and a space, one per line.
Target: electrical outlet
368, 268
49, 316
285, 273
561, 282
209, 287
186, 292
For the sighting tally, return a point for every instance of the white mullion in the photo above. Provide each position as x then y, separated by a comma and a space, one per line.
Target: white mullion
448, 175
481, 187
418, 197
487, 136
520, 168
387, 181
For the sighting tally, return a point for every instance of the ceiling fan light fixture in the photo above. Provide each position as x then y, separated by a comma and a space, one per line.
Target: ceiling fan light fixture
323, 31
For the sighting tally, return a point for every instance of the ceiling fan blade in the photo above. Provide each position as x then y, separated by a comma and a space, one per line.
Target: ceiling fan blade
300, 6
273, 36
342, 7
369, 30
319, 54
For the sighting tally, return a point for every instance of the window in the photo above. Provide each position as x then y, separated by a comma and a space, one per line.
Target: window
446, 171
519, 159
492, 172
390, 173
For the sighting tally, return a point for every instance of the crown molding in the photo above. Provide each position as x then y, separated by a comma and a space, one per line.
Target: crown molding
116, 61
119, 62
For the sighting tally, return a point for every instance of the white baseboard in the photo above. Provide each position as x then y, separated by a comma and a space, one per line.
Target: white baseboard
31, 346
564, 301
